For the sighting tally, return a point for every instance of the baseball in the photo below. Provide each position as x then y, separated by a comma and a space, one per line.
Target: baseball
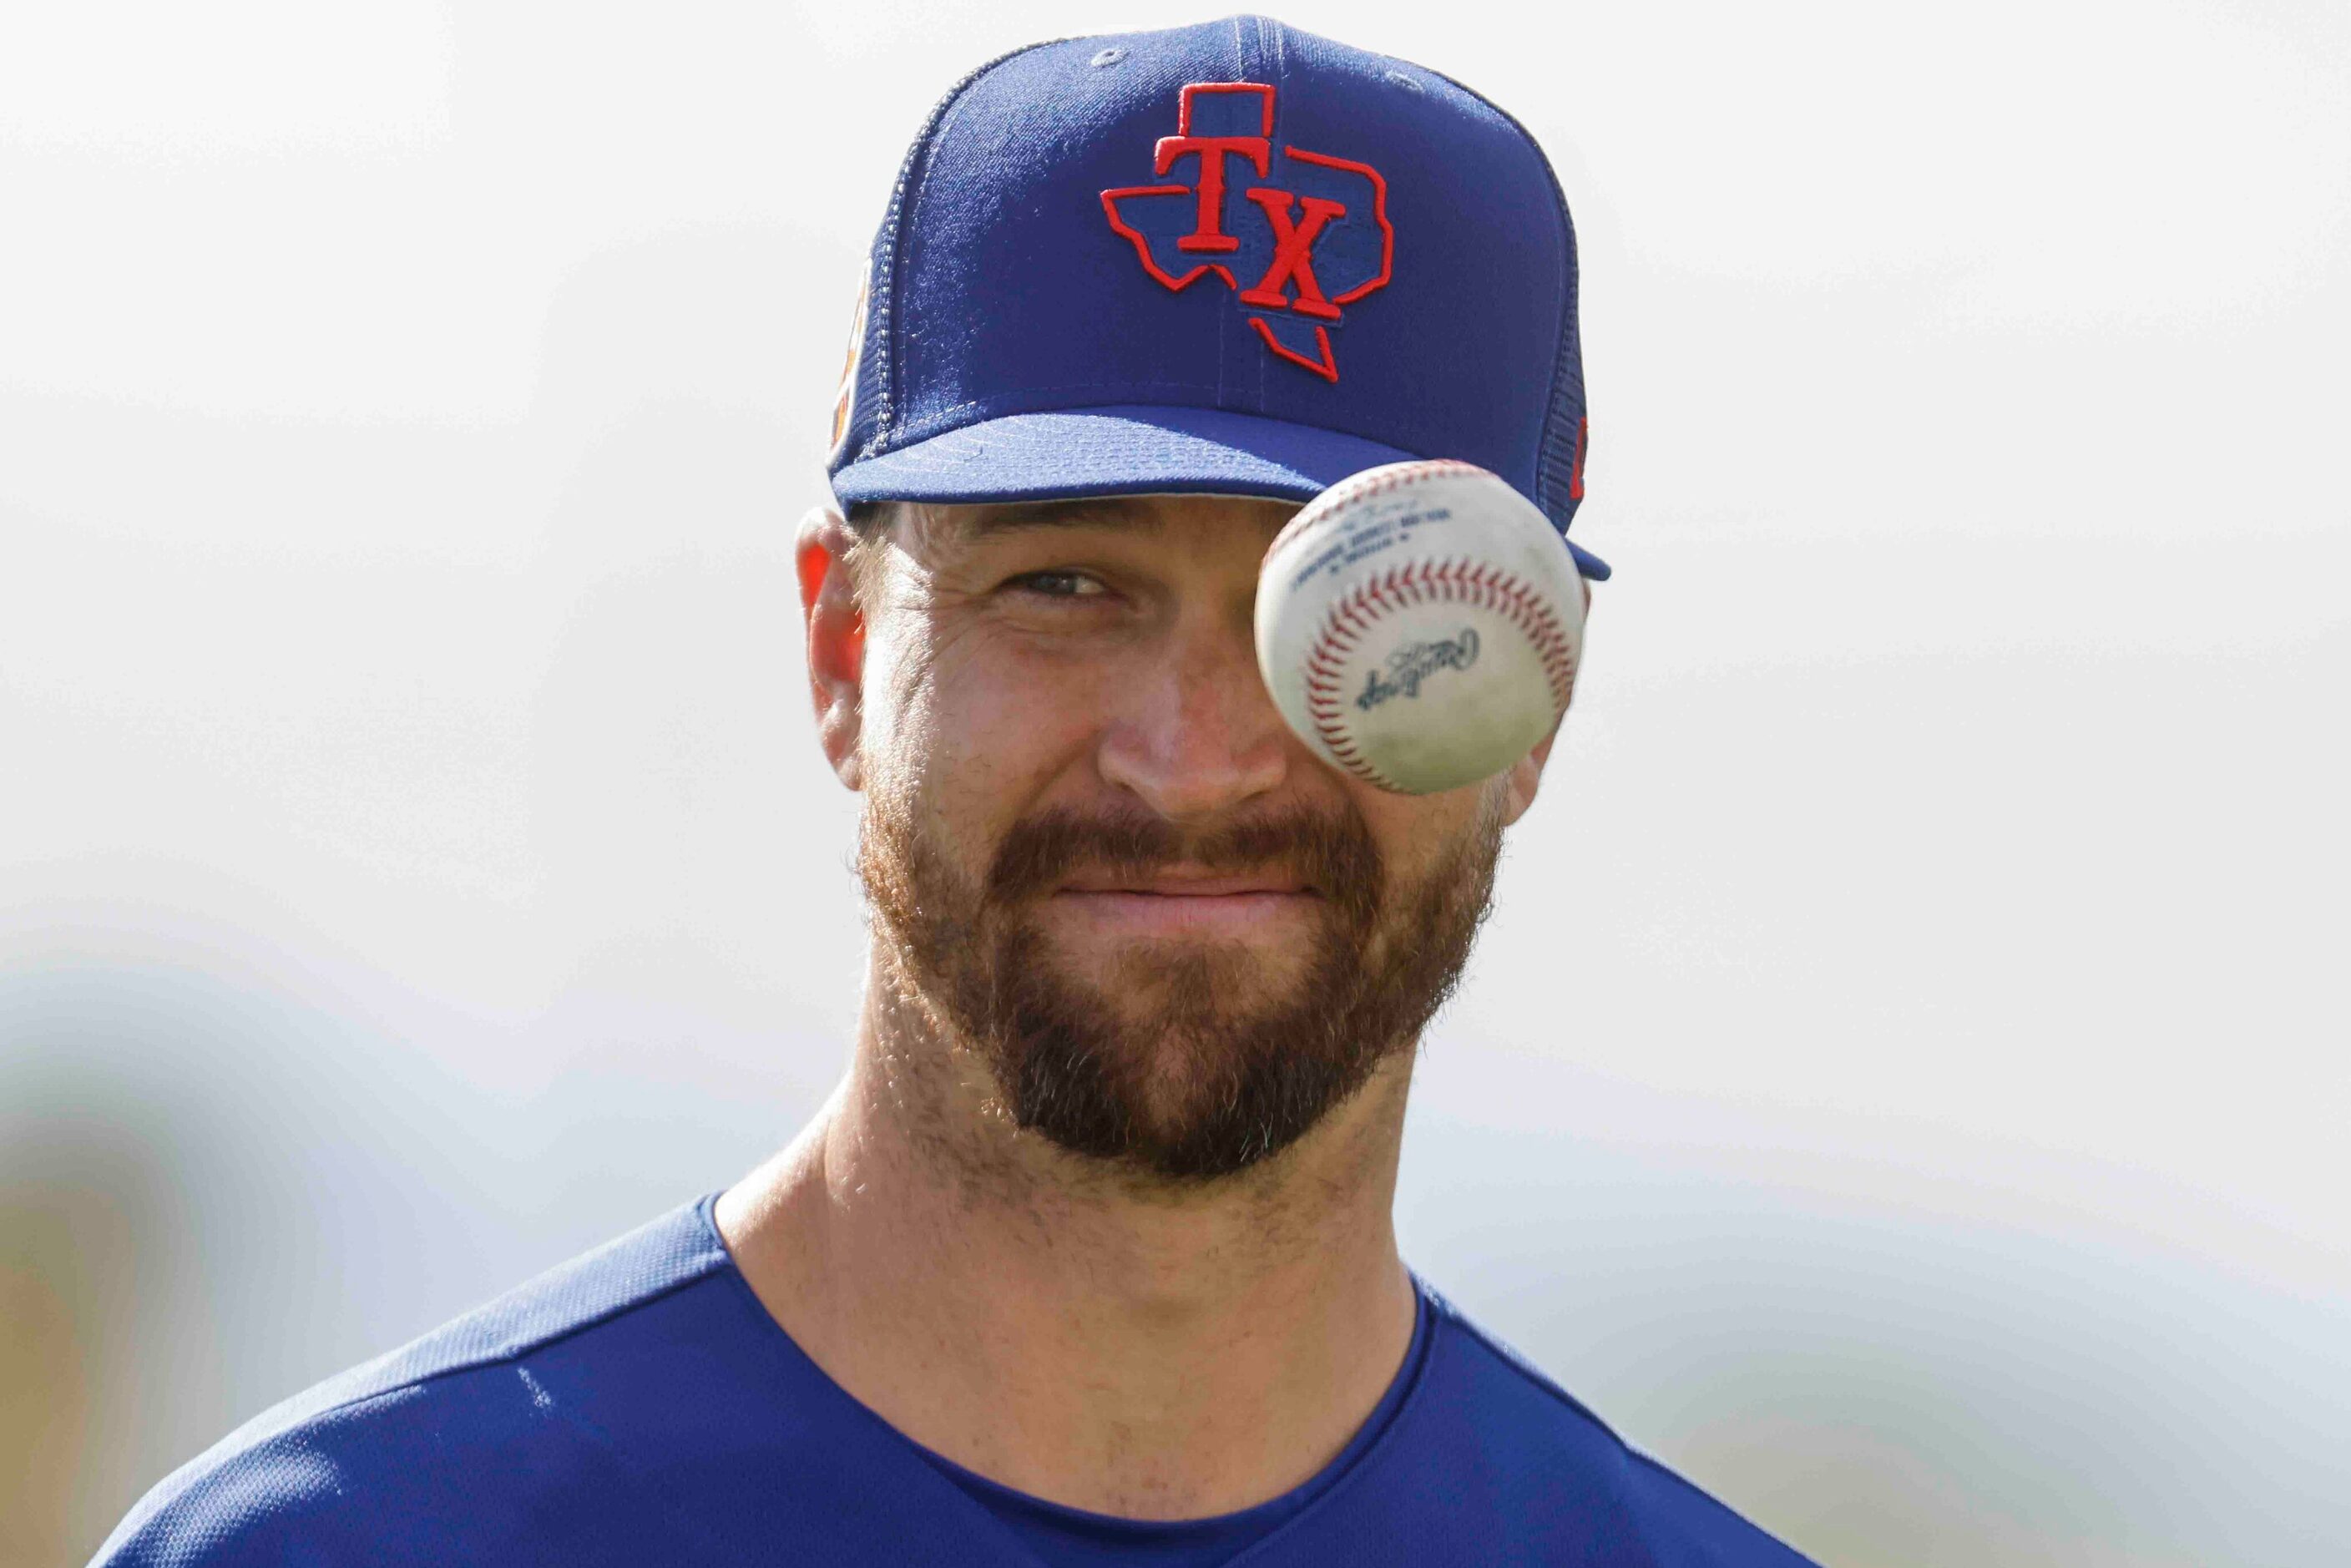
1418, 625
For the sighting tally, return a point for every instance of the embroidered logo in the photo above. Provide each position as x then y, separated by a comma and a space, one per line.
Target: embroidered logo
844, 397
1308, 236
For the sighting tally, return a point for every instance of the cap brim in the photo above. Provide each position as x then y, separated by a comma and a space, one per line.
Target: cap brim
1125, 451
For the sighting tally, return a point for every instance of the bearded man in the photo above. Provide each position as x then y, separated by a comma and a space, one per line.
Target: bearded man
1089, 1260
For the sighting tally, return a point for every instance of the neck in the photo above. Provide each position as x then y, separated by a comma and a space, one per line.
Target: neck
1080, 1333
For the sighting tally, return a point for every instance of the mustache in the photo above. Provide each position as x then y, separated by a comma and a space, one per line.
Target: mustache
1333, 852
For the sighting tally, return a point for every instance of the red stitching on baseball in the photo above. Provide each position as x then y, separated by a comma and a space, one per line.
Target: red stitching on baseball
1476, 583
1372, 481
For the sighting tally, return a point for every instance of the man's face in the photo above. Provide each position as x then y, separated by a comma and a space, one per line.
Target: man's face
1175, 939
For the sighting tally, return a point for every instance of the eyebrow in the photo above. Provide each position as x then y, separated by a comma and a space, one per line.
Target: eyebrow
1084, 512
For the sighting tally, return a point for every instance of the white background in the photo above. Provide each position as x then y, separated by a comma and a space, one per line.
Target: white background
1905, 1082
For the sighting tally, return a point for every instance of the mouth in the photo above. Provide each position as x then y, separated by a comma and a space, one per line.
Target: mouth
1175, 902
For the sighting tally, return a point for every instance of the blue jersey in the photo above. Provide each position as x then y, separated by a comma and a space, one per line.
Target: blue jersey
639, 1405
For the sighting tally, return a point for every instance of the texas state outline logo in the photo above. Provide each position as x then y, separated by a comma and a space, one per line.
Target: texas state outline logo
1308, 238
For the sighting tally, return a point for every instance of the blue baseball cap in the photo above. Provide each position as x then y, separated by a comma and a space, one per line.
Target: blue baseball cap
1230, 259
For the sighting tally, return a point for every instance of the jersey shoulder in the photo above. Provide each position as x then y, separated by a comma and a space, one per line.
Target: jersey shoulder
1559, 1477
361, 1464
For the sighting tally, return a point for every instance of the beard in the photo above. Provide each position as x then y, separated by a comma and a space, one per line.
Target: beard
1180, 1061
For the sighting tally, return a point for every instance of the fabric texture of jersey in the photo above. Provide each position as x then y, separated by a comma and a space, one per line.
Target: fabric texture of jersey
639, 1405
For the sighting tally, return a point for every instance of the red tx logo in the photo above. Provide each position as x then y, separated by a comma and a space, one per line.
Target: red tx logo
1317, 242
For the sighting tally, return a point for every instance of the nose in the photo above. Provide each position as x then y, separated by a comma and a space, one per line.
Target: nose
1194, 732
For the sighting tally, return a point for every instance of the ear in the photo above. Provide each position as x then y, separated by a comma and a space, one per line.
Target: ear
1524, 778
1525, 775
835, 624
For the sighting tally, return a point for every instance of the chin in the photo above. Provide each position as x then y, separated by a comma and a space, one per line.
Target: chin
1192, 981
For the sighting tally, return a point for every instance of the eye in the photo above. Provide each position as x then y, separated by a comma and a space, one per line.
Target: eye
1059, 584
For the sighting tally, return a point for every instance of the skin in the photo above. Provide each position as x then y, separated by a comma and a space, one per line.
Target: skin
1068, 1327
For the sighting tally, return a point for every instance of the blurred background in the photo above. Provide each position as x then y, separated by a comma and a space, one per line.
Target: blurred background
1905, 1083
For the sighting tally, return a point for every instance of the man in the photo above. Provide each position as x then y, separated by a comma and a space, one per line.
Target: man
1090, 1259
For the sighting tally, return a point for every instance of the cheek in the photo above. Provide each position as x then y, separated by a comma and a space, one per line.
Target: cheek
979, 727
1416, 833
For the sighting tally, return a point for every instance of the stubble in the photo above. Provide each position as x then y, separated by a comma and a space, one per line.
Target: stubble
1180, 1063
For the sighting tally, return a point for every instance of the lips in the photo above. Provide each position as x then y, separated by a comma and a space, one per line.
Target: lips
1235, 907
1177, 885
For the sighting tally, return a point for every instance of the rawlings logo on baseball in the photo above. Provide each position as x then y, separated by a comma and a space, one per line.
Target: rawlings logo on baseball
1414, 662
1408, 574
